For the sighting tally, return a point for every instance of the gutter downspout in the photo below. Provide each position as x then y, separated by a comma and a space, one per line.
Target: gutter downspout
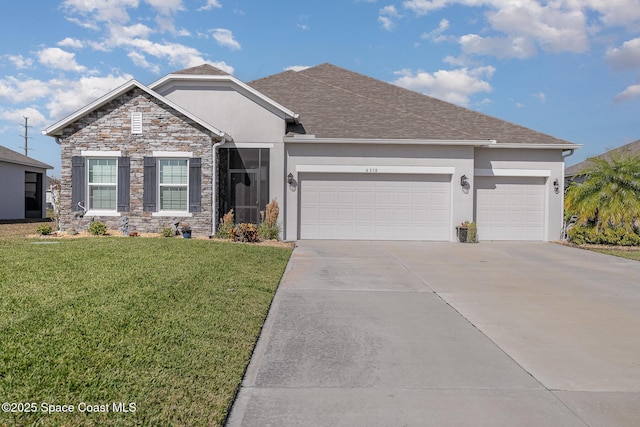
214, 181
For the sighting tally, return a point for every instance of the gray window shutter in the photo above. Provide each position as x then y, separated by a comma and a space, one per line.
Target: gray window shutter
150, 185
78, 180
195, 184
123, 184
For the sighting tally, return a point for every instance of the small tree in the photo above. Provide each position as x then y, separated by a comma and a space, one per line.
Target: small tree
610, 194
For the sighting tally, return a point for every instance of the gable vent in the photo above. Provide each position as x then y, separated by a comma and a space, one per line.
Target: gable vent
136, 123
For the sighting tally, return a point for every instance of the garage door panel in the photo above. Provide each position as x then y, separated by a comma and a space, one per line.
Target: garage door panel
383, 207
510, 208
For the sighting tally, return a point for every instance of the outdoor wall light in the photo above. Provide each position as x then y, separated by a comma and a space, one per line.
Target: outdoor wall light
290, 178
556, 186
464, 181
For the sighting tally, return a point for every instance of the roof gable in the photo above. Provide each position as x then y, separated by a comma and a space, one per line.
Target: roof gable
204, 69
338, 103
10, 156
57, 128
199, 75
632, 147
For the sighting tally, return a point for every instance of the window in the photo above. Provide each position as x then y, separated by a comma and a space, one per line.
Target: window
103, 178
174, 184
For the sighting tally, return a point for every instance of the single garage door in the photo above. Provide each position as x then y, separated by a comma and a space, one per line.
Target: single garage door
375, 206
510, 208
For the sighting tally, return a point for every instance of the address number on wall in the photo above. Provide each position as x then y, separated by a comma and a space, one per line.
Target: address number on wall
372, 170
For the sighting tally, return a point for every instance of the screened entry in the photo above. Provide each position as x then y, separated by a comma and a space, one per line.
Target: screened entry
243, 182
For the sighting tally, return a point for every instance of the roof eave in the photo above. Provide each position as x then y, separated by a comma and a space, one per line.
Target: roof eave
559, 146
311, 139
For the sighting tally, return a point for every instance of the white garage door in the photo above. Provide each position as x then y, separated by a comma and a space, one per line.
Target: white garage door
375, 207
510, 208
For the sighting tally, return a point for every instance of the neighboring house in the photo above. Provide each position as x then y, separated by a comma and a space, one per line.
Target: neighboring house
52, 192
346, 157
573, 173
22, 192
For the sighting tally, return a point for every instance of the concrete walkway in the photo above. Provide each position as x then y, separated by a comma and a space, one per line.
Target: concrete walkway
432, 334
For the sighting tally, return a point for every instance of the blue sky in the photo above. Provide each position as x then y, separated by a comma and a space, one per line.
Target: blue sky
569, 68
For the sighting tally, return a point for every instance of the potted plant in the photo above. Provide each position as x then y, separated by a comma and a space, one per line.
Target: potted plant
186, 231
467, 232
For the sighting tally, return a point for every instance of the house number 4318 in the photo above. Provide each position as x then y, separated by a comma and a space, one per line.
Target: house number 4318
372, 170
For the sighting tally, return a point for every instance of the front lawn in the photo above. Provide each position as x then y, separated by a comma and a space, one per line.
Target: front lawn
622, 253
154, 331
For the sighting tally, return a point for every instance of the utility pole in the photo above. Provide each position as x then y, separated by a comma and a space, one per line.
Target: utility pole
26, 136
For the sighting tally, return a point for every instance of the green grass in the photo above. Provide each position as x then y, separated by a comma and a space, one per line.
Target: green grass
635, 255
166, 324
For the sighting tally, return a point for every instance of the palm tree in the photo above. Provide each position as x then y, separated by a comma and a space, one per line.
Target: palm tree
610, 194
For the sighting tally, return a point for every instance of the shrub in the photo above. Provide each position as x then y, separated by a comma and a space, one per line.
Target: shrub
245, 232
268, 228
226, 226
166, 231
44, 229
98, 228
615, 236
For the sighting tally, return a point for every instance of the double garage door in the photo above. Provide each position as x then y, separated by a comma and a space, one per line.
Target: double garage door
354, 206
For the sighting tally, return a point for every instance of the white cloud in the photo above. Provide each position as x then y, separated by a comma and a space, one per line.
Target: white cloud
437, 34
19, 91
297, 68
518, 47
140, 60
628, 94
72, 43
210, 5
540, 96
521, 27
225, 38
455, 86
387, 17
20, 61
625, 57
57, 58
166, 7
36, 118
68, 96
101, 10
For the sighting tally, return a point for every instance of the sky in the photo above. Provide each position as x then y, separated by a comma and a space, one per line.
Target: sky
568, 68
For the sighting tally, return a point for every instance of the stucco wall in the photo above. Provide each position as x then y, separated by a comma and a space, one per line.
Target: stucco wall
164, 129
233, 112
12, 190
460, 158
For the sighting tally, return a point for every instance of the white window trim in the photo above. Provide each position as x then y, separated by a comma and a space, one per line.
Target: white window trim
101, 212
183, 214
171, 156
89, 153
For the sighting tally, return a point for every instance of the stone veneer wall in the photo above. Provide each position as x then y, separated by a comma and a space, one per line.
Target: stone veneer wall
164, 129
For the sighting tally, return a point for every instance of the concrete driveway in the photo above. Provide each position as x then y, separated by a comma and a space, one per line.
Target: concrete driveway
418, 334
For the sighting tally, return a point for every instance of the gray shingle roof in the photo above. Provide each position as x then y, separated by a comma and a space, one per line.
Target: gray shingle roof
632, 147
338, 103
204, 69
10, 156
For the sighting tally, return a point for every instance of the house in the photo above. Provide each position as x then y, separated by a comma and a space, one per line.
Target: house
21, 192
345, 155
573, 173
